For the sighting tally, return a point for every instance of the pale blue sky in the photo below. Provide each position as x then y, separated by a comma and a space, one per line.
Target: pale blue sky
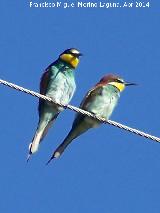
106, 169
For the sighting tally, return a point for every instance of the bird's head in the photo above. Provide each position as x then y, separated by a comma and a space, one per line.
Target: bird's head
71, 57
115, 81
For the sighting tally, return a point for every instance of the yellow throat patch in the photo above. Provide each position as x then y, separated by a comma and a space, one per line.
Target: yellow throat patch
118, 85
70, 59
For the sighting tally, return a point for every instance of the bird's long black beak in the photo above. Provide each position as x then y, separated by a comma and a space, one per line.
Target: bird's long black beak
77, 55
130, 84
80, 54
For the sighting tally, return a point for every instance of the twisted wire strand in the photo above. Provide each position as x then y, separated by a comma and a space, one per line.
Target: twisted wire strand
76, 109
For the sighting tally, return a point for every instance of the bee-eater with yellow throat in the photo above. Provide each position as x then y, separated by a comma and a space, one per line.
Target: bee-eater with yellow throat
58, 83
101, 101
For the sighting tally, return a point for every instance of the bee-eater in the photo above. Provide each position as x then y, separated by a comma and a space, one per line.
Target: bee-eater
57, 82
101, 101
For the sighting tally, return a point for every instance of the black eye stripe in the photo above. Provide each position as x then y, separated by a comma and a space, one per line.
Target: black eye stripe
72, 53
120, 81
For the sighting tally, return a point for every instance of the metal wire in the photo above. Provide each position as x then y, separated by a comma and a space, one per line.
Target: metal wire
76, 109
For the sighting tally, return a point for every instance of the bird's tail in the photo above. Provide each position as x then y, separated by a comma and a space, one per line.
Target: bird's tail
38, 137
36, 141
74, 133
33, 147
60, 149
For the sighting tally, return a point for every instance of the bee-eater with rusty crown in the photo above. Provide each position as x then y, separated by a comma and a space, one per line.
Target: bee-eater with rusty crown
58, 83
101, 101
